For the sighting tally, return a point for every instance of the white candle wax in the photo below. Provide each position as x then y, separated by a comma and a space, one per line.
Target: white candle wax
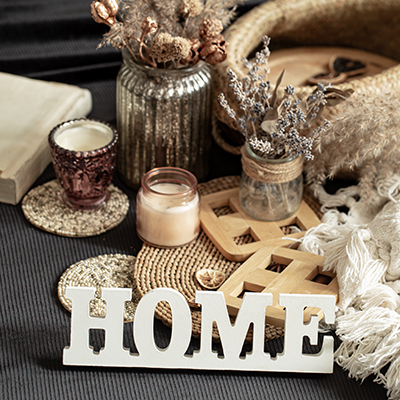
167, 220
84, 136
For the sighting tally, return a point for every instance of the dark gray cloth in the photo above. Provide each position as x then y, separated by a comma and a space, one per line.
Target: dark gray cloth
35, 328
57, 41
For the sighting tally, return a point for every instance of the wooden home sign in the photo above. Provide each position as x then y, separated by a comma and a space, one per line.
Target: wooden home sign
213, 307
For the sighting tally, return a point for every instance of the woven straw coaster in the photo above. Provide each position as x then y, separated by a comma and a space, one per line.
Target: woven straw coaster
114, 271
176, 268
44, 208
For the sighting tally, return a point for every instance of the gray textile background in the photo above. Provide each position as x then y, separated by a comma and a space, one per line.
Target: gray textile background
35, 328
57, 41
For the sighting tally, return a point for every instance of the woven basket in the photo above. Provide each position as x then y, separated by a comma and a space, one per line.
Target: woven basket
370, 25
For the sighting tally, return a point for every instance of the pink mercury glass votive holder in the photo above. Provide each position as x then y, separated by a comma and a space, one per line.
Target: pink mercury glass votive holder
84, 156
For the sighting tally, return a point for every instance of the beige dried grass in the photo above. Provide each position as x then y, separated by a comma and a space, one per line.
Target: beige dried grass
364, 138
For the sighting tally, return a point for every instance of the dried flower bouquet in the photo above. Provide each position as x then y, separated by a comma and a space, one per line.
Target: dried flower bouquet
280, 130
166, 34
273, 127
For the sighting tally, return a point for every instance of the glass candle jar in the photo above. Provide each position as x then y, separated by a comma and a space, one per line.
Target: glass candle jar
84, 157
168, 207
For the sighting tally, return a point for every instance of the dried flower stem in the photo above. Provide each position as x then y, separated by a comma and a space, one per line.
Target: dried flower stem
270, 127
180, 18
142, 45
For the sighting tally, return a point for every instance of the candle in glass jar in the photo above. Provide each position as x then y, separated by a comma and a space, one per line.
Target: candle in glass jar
168, 207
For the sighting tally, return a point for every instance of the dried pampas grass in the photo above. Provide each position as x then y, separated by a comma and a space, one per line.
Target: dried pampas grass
364, 137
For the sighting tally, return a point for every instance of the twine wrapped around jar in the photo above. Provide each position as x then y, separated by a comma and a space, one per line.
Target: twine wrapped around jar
271, 171
270, 189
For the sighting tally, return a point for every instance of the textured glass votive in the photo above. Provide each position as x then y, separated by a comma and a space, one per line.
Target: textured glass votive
84, 156
168, 207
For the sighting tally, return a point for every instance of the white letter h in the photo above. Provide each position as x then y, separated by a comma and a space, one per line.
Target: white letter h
79, 352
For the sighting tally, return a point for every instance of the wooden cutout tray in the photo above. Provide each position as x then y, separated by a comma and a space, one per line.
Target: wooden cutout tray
301, 273
222, 230
301, 63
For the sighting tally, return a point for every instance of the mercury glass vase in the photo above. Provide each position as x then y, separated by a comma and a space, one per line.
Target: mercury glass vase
163, 119
270, 189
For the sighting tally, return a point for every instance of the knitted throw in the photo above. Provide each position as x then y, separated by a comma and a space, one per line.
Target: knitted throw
364, 251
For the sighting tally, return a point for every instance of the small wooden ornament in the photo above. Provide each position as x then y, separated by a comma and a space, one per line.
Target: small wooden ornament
222, 230
279, 270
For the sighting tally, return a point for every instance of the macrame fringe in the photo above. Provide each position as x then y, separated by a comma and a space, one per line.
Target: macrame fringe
364, 252
389, 188
370, 342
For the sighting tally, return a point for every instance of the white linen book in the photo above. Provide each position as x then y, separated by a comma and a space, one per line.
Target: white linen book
29, 109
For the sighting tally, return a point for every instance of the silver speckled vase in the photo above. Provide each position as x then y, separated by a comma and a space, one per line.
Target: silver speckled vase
163, 119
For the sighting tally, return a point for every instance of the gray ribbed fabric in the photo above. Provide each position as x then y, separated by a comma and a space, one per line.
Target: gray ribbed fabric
35, 329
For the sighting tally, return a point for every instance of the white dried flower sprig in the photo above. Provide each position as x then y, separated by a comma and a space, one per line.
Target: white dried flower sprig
272, 128
295, 116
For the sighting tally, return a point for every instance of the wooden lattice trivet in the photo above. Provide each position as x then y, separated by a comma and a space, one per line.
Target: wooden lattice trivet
112, 270
176, 268
44, 208
279, 270
222, 230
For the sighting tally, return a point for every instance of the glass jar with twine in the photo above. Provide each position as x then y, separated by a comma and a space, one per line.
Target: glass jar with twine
270, 189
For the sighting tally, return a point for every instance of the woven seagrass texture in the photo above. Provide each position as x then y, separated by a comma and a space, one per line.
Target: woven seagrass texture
106, 271
370, 25
176, 268
44, 208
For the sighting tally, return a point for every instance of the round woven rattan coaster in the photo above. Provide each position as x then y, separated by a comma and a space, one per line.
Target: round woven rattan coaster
114, 270
44, 208
176, 268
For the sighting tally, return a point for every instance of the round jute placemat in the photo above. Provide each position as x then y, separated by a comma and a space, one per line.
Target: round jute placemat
176, 268
44, 208
106, 271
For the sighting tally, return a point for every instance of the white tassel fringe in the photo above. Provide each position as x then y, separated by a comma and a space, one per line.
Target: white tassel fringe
363, 248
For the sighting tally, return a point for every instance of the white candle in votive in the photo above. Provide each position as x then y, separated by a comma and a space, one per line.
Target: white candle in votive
84, 136
167, 220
